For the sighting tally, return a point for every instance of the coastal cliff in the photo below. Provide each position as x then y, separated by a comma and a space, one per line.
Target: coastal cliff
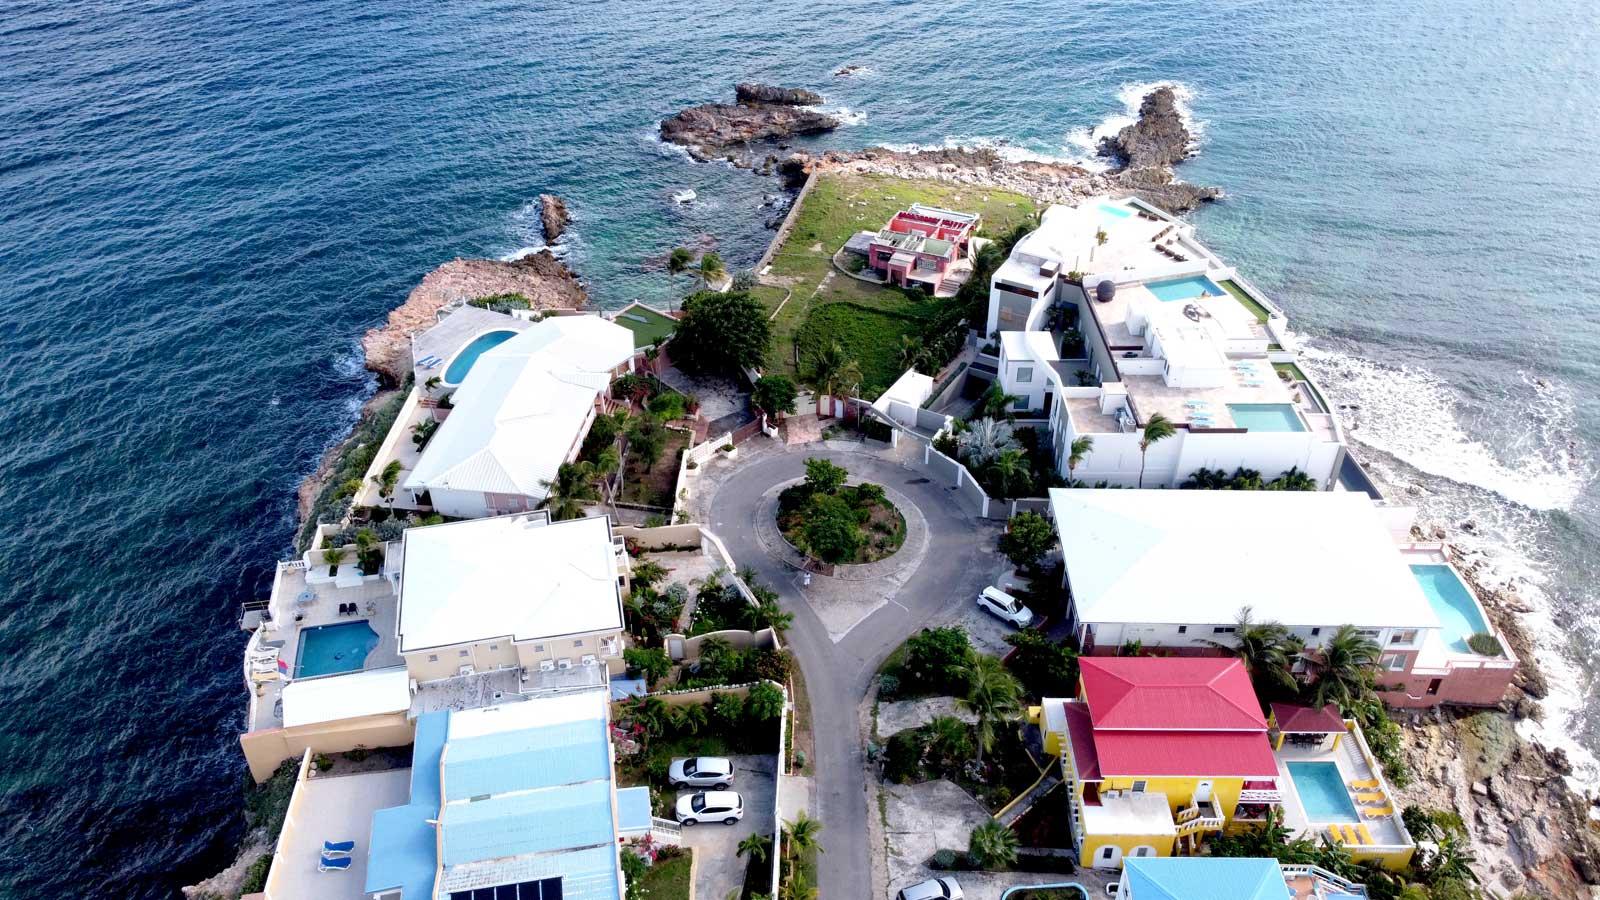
540, 277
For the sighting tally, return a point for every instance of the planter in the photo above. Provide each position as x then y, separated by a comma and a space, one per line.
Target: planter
731, 453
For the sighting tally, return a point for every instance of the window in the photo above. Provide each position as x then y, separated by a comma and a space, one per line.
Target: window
578, 643
1024, 374
1139, 786
461, 653
433, 657
1394, 662
1022, 403
538, 648
1183, 629
1409, 636
1224, 629
1316, 631
494, 646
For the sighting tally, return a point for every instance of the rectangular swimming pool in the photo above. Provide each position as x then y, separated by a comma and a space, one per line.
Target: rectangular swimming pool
1457, 611
332, 649
1322, 792
1265, 416
1183, 288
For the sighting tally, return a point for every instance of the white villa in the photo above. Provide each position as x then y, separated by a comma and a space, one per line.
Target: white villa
1172, 570
1167, 328
523, 408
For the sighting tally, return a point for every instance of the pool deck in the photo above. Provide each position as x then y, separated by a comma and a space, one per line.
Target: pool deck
1386, 830
455, 331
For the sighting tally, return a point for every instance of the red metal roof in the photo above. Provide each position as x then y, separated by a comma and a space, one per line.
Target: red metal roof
1213, 754
1081, 733
1170, 693
1292, 719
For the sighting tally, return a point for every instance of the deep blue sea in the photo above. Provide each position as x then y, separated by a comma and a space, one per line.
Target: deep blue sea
204, 204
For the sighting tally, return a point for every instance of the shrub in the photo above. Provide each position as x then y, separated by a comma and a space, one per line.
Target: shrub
255, 878
902, 759
830, 532
1045, 668
668, 406
888, 686
877, 430
727, 708
1028, 538
651, 662
764, 703
992, 846
1485, 644
824, 477
943, 859
936, 659
773, 394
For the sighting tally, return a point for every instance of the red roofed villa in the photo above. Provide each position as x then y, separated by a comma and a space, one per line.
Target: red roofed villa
920, 245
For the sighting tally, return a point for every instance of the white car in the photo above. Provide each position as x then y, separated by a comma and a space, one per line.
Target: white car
1004, 606
702, 772
726, 807
942, 888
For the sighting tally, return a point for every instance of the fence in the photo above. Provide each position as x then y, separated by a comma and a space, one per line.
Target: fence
687, 649
972, 495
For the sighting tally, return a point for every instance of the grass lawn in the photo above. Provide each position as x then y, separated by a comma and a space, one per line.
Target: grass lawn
668, 879
658, 485
1246, 301
872, 336
647, 325
838, 206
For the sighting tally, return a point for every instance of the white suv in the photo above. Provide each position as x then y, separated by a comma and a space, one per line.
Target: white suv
701, 772
943, 888
726, 807
1004, 606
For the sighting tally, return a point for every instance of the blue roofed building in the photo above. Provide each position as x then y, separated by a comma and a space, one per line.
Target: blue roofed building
1224, 878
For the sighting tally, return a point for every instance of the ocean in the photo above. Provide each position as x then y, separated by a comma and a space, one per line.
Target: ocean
203, 205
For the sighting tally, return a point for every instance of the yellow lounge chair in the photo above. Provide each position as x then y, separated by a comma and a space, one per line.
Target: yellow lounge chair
1336, 834
1372, 797
1363, 784
1377, 812
1366, 835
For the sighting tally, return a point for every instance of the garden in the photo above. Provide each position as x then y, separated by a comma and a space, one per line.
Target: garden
650, 733
838, 524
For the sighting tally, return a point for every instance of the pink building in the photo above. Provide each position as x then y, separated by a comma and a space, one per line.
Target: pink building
919, 245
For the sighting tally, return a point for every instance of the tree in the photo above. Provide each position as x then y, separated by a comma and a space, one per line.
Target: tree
333, 556
773, 394
993, 695
1341, 669
1010, 474
690, 719
768, 614
833, 372
936, 659
1452, 861
652, 662
565, 495
711, 268
756, 846
1292, 480
387, 479
721, 333
997, 404
984, 440
830, 532
679, 260
992, 846
1157, 429
647, 437
764, 703
801, 834
1045, 668
1077, 453
1267, 650
824, 477
948, 736
911, 351
650, 714
1029, 536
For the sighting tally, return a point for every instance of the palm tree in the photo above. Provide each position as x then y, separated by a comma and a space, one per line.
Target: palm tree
1080, 449
756, 846
1451, 862
1157, 429
387, 479
800, 835
1008, 469
911, 351
333, 556
679, 260
834, 372
984, 440
1264, 648
711, 268
768, 614
604, 466
992, 846
948, 737
997, 404
689, 719
565, 496
1341, 669
1293, 480
798, 887
993, 695
650, 713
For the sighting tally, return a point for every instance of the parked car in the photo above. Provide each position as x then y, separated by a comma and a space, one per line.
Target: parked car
726, 807
943, 888
701, 772
1004, 606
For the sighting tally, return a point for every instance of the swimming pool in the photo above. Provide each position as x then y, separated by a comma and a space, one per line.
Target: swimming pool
1265, 416
331, 649
1183, 288
1111, 215
462, 363
1458, 613
1322, 792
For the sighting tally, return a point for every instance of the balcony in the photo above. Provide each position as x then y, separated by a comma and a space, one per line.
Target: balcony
1198, 817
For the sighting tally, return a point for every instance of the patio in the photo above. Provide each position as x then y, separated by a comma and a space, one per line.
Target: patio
1151, 394
332, 808
398, 445
1353, 766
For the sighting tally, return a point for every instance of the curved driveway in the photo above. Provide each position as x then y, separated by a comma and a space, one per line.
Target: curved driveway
959, 561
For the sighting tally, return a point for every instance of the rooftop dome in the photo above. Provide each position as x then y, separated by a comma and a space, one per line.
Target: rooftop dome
1105, 291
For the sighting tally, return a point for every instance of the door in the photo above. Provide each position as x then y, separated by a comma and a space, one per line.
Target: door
1202, 792
1109, 857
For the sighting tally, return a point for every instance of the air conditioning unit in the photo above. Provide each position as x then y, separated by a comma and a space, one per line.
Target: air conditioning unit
547, 665
564, 664
590, 659
465, 671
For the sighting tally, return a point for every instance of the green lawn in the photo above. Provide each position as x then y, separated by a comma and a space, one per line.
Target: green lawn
1247, 301
837, 207
647, 325
668, 879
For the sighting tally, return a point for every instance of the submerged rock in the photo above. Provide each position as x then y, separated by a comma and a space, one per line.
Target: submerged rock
553, 216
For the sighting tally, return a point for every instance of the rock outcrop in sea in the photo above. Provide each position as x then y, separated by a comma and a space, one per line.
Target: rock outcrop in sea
540, 277
1159, 137
553, 216
763, 113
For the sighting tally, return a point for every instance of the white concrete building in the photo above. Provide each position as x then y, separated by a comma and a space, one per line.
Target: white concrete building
522, 410
1166, 328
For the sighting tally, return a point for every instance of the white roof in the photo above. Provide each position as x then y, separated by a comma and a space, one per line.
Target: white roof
519, 410
555, 709
1303, 558
1025, 346
1131, 813
507, 576
1065, 235
351, 696
911, 388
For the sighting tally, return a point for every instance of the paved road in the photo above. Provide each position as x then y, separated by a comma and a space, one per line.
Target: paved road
960, 560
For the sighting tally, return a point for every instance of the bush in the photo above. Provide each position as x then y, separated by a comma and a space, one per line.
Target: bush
944, 859
1485, 644
650, 662
902, 759
255, 878
668, 406
1045, 668
831, 531
888, 686
1028, 538
992, 846
877, 430
721, 333
773, 394
936, 659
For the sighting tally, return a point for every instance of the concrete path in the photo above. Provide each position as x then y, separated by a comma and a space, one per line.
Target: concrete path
838, 668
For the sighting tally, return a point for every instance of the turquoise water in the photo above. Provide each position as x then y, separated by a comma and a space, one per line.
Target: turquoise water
331, 649
1265, 416
1111, 215
1322, 792
1458, 611
1183, 288
462, 363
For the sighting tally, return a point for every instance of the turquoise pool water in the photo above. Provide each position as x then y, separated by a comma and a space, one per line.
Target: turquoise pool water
1322, 792
331, 649
462, 363
1183, 288
1111, 215
1265, 416
1458, 612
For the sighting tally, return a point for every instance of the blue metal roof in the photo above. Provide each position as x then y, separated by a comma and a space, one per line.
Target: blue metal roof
402, 850
1202, 878
560, 818
633, 809
525, 759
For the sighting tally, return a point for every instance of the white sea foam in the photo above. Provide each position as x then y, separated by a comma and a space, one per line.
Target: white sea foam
1005, 148
844, 114
521, 252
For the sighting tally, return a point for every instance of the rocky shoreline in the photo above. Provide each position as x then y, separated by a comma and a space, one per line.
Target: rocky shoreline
762, 113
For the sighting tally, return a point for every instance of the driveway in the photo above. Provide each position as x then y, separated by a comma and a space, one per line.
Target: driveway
719, 869
960, 559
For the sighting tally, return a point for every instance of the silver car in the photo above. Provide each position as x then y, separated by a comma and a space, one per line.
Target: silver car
942, 888
702, 772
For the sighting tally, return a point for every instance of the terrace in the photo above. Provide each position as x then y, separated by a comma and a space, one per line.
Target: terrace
398, 445
649, 326
1349, 803
331, 807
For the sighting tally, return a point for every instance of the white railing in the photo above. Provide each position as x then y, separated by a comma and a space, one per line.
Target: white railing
1260, 796
1349, 887
665, 831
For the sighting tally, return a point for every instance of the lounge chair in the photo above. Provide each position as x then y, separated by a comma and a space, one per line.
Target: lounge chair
1351, 836
337, 848
1378, 812
334, 863
1366, 835
1372, 797
1363, 784
1336, 834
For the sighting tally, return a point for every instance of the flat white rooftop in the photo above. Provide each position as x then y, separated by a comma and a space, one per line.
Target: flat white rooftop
1168, 557
1130, 813
351, 696
507, 576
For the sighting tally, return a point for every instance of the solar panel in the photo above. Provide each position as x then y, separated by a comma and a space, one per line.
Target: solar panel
543, 889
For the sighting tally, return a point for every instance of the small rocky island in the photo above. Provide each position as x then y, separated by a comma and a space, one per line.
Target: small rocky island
761, 112
553, 216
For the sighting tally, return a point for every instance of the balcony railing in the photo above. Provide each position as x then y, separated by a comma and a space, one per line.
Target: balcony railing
1192, 819
1260, 796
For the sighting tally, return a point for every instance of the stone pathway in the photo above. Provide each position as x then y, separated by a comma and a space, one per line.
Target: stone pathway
803, 429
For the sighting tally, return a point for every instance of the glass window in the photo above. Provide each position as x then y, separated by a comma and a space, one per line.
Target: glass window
461, 653
1022, 403
1409, 636
1394, 662
1024, 374
433, 657
1139, 786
